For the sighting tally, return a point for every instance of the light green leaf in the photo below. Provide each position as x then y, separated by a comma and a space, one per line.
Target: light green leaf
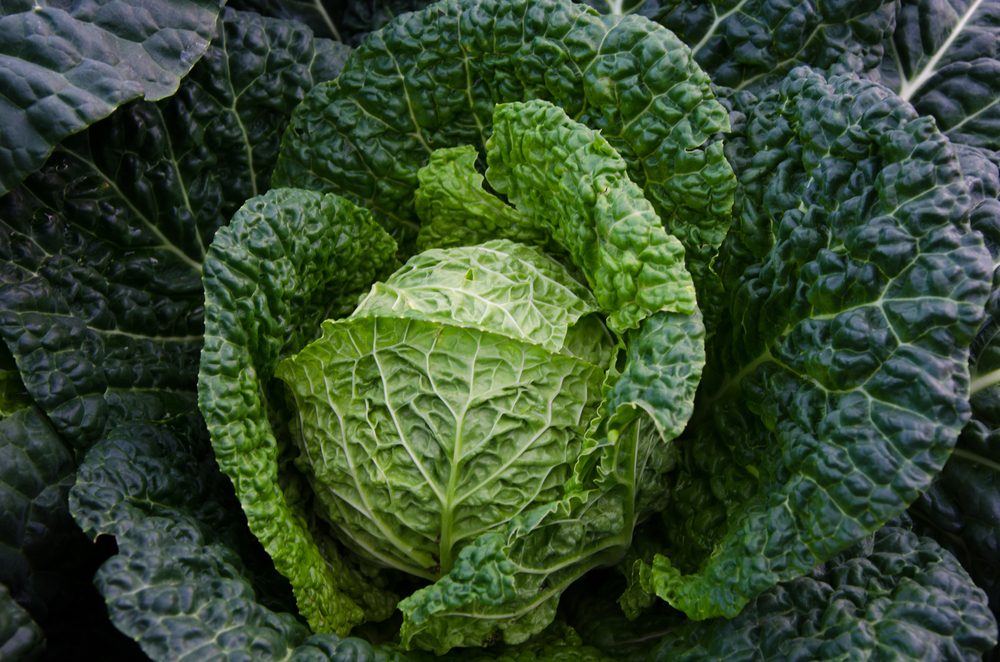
569, 180
507, 584
420, 429
454, 210
287, 259
499, 287
65, 66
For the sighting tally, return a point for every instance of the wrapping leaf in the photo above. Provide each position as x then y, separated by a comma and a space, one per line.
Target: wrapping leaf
405, 93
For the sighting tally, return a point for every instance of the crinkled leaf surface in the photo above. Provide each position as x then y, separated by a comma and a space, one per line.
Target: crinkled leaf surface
186, 582
348, 22
568, 179
506, 584
288, 260
63, 66
455, 210
747, 44
962, 508
430, 80
183, 583
36, 472
944, 58
895, 592
499, 287
421, 429
100, 252
837, 384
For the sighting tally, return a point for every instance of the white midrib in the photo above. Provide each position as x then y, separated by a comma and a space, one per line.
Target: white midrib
984, 381
715, 24
909, 87
447, 542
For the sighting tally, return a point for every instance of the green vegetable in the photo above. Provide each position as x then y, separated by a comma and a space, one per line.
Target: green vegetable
840, 384
444, 421
532, 333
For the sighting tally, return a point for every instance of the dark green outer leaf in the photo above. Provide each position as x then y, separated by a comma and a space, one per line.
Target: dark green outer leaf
749, 44
63, 66
944, 58
838, 387
36, 472
180, 584
20, 637
348, 22
184, 583
430, 79
896, 595
317, 14
286, 261
100, 252
962, 508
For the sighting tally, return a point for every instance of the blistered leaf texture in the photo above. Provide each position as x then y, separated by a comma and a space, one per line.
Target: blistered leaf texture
748, 44
445, 405
287, 260
498, 287
944, 58
36, 472
101, 251
565, 177
506, 585
896, 592
65, 66
430, 79
181, 584
455, 210
962, 508
838, 381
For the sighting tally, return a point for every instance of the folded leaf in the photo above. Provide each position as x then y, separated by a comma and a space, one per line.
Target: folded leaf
184, 582
566, 178
455, 210
287, 261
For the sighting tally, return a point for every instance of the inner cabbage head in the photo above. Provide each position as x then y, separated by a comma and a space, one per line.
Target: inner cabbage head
455, 397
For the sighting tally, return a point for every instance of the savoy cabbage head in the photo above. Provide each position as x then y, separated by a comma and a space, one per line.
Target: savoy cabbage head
518, 332
473, 405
